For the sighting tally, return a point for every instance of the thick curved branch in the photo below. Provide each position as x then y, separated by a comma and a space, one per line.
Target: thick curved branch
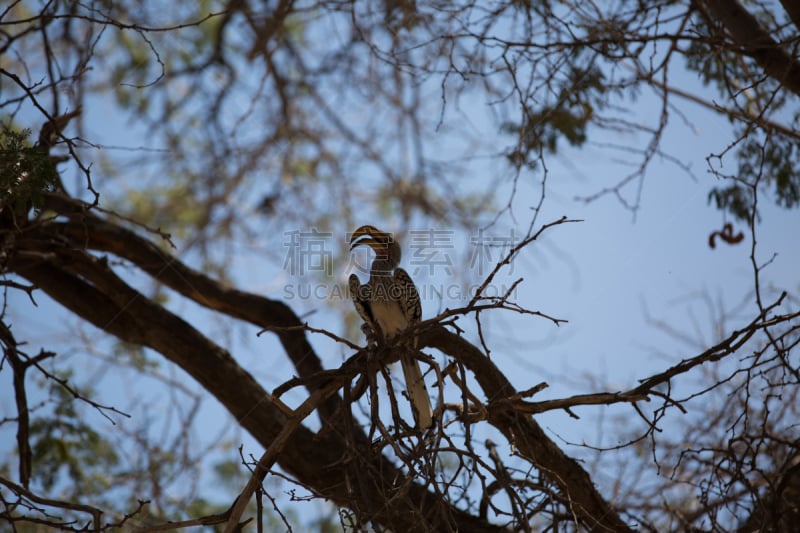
264, 464
748, 33
88, 287
87, 230
326, 461
793, 9
527, 436
91, 290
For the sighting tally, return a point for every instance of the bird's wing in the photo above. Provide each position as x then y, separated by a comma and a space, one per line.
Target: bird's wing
360, 295
409, 296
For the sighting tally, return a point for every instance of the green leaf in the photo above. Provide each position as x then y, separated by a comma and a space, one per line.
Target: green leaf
26, 172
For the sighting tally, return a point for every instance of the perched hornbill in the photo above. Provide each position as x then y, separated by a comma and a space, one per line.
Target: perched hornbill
389, 303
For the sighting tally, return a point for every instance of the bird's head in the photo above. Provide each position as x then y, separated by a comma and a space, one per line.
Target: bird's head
384, 244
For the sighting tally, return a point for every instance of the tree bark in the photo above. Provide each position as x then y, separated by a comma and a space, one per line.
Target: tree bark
336, 464
749, 34
333, 465
528, 437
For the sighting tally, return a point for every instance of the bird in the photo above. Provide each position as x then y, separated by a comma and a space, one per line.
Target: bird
389, 304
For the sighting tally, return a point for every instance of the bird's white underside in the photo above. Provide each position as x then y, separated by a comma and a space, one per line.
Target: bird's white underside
390, 317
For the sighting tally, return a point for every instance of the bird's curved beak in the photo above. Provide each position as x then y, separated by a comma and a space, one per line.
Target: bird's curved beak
372, 237
368, 240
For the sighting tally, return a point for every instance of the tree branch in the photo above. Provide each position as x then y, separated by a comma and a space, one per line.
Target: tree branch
85, 229
24, 492
748, 33
793, 9
593, 511
326, 461
18, 369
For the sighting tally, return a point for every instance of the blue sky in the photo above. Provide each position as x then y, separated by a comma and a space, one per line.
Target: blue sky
603, 275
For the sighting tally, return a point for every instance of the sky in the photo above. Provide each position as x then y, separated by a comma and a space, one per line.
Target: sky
610, 276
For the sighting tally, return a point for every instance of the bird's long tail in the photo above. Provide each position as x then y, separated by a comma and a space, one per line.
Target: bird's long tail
417, 391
